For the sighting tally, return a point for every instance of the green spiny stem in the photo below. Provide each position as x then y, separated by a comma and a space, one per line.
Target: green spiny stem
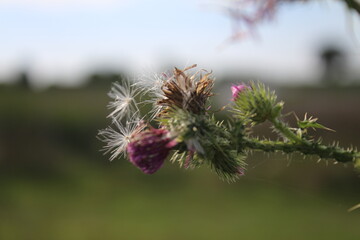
285, 131
308, 148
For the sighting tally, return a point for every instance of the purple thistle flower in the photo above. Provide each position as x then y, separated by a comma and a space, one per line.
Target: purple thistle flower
148, 149
236, 89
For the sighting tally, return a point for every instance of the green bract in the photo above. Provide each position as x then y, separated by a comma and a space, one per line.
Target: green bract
204, 140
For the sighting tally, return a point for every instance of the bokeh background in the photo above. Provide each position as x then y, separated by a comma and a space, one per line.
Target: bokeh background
58, 60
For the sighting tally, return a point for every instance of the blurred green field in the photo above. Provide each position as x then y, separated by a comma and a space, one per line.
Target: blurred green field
55, 184
98, 205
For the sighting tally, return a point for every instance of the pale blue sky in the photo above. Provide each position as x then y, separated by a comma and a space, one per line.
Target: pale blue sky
64, 39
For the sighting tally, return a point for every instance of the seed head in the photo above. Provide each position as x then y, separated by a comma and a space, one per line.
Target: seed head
117, 138
151, 86
124, 103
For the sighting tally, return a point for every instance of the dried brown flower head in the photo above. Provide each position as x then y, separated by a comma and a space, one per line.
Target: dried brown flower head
188, 92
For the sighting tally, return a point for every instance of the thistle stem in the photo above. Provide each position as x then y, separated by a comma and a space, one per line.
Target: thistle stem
308, 148
285, 131
298, 144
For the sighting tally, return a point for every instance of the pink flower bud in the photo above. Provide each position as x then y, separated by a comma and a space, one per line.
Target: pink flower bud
237, 89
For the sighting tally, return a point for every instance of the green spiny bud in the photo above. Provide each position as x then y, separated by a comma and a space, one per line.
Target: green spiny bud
257, 104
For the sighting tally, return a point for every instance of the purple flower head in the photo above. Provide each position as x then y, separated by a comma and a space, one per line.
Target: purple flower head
237, 89
148, 149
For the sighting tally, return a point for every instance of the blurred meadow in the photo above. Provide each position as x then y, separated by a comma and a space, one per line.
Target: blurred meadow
55, 183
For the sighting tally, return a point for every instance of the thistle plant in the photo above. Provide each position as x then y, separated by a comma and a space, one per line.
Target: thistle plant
182, 128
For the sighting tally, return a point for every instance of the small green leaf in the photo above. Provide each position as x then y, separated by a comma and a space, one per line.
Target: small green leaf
311, 123
308, 124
